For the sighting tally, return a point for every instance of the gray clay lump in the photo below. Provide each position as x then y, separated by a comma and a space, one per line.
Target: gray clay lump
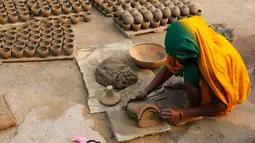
113, 71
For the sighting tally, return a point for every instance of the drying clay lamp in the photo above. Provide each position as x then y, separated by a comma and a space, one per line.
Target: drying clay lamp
110, 98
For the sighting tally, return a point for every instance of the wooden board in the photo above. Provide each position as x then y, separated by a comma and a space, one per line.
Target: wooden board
131, 33
102, 11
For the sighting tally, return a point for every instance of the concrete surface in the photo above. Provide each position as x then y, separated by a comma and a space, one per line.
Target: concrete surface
35, 87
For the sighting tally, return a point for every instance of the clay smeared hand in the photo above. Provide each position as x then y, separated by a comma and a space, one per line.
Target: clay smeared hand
139, 95
170, 115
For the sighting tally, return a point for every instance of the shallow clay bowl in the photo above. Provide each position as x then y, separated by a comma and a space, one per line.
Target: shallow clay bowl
148, 55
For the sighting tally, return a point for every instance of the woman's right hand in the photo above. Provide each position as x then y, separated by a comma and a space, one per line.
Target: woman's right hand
138, 95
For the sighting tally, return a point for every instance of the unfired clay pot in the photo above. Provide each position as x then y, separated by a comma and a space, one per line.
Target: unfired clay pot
68, 41
36, 10
134, 2
166, 2
13, 17
23, 27
109, 98
182, 17
3, 19
138, 18
152, 8
185, 10
172, 19
138, 6
176, 11
23, 39
30, 51
34, 27
163, 21
35, 38
148, 5
32, 43
119, 11
8, 45
17, 52
67, 8
24, 33
125, 26
55, 50
47, 38
42, 51
35, 22
35, 33
20, 44
68, 49
46, 11
56, 42
143, 10
129, 19
66, 26
77, 7
157, 14
69, 36
128, 8
86, 17
45, 27
58, 37
2, 36
136, 26
63, 19
170, 5
31, 3
124, 14
184, 1
199, 12
142, 2
117, 5
179, 4
155, 23
10, 39
160, 6
66, 31
134, 11
101, 4
56, 10
11, 34
5, 53
108, 8
193, 9
45, 44
86, 6
54, 3
56, 26
166, 12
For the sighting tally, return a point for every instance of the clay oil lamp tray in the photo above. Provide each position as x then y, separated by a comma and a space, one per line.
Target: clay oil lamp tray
145, 112
148, 55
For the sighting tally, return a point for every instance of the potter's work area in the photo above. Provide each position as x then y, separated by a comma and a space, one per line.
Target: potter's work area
37, 40
125, 128
89, 61
21, 11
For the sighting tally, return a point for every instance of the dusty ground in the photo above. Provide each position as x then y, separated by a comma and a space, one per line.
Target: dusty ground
44, 96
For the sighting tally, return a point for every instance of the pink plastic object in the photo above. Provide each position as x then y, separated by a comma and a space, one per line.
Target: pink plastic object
80, 139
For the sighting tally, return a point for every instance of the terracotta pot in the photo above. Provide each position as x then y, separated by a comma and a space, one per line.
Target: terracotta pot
36, 10
24, 16
69, 36
136, 26
21, 9
10, 39
199, 12
68, 41
102, 3
155, 23
63, 19
23, 27
58, 31
56, 22
35, 21
5, 53
176, 11
42, 51
138, 18
58, 37
117, 6
45, 27
30, 51
35, 33
86, 17
20, 44
75, 18
193, 9
86, 6
166, 12
45, 44
13, 17
182, 17
108, 8
77, 7
44, 4
31, 3
8, 45
34, 27
24, 33
68, 49
46, 32
56, 10
63, 2
17, 52
67, 8
185, 10
74, 1
35, 38
55, 50
32, 44
163, 21
179, 4
125, 26
129, 19
57, 42
47, 38
11, 33
46, 11
172, 19
148, 16
54, 3
157, 14
119, 12
23, 39
2, 36
56, 26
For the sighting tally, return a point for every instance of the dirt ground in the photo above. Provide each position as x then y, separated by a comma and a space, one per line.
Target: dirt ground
32, 88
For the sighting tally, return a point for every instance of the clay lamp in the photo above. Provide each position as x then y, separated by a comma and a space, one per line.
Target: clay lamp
110, 98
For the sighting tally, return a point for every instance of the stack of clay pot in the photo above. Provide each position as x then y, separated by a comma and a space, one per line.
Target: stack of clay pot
142, 14
37, 38
47, 8
13, 11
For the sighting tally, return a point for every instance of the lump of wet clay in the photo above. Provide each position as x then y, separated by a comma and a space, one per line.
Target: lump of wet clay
116, 73
145, 112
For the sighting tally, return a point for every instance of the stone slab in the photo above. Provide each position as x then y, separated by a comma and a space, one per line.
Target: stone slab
125, 128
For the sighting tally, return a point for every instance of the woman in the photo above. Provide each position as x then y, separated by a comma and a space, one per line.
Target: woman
215, 76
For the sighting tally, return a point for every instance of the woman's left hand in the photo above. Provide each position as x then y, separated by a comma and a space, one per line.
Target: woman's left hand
170, 114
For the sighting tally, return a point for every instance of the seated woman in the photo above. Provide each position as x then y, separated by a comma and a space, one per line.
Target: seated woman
215, 76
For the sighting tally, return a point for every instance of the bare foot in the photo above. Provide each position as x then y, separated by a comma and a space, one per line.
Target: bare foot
174, 84
189, 120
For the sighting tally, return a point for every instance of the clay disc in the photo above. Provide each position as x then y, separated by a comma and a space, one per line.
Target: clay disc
149, 118
109, 101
